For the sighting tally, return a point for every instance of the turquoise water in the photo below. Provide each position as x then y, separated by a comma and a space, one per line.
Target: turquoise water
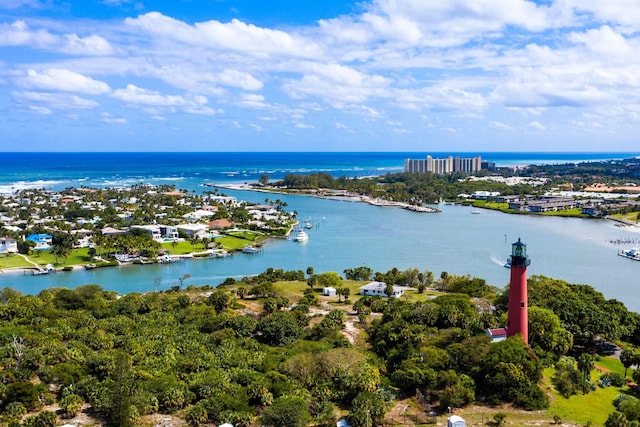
349, 234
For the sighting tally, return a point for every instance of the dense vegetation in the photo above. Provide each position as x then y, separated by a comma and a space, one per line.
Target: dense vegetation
402, 187
200, 354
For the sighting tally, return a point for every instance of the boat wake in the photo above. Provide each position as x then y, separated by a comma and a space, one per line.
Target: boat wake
498, 261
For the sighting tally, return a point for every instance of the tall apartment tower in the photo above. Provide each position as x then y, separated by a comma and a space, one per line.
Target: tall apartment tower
517, 314
443, 166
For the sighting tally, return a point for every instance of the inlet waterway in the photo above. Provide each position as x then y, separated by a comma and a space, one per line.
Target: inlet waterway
349, 234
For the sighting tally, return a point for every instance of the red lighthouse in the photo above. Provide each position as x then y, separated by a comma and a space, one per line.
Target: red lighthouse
517, 319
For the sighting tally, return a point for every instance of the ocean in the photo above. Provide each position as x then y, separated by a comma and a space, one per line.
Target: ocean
189, 170
345, 234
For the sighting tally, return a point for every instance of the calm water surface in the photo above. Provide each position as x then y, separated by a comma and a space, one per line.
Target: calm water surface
349, 234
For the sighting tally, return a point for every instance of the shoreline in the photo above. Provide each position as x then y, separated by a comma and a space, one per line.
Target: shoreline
354, 197
339, 195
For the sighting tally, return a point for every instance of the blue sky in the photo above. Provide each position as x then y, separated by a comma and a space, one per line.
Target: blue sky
336, 75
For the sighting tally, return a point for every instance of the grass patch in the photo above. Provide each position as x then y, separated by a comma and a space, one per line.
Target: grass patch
631, 216
575, 213
13, 261
231, 243
595, 406
249, 235
76, 257
611, 364
181, 248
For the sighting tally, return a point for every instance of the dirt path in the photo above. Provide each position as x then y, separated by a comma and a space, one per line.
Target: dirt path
29, 261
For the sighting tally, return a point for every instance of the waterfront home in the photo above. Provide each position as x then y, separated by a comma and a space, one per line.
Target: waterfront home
194, 230
199, 215
43, 241
225, 200
507, 199
110, 231
8, 245
484, 195
219, 224
160, 233
377, 289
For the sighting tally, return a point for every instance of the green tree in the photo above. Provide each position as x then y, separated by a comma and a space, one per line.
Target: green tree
60, 251
219, 300
585, 365
499, 418
280, 328
121, 412
367, 409
616, 419
241, 292
71, 405
628, 358
196, 415
330, 279
286, 412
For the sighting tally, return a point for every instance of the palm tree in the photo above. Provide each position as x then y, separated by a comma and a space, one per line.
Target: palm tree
61, 251
182, 278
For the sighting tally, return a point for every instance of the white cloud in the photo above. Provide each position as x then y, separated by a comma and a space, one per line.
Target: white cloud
235, 36
603, 41
61, 101
192, 104
303, 125
112, 120
91, 45
19, 34
536, 125
501, 126
135, 95
40, 110
17, 4
63, 80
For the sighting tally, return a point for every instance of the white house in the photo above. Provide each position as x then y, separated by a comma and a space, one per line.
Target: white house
160, 233
194, 230
456, 421
8, 245
198, 215
329, 291
377, 288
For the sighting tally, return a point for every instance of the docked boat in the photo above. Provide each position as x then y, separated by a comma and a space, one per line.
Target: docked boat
301, 236
633, 253
250, 250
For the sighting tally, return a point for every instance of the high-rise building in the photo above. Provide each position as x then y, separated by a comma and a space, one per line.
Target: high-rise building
443, 166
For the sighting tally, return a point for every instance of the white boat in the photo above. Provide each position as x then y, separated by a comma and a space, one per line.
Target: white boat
308, 224
250, 250
633, 253
475, 212
301, 236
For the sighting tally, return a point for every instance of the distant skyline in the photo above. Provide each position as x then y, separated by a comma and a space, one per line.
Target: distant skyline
337, 75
